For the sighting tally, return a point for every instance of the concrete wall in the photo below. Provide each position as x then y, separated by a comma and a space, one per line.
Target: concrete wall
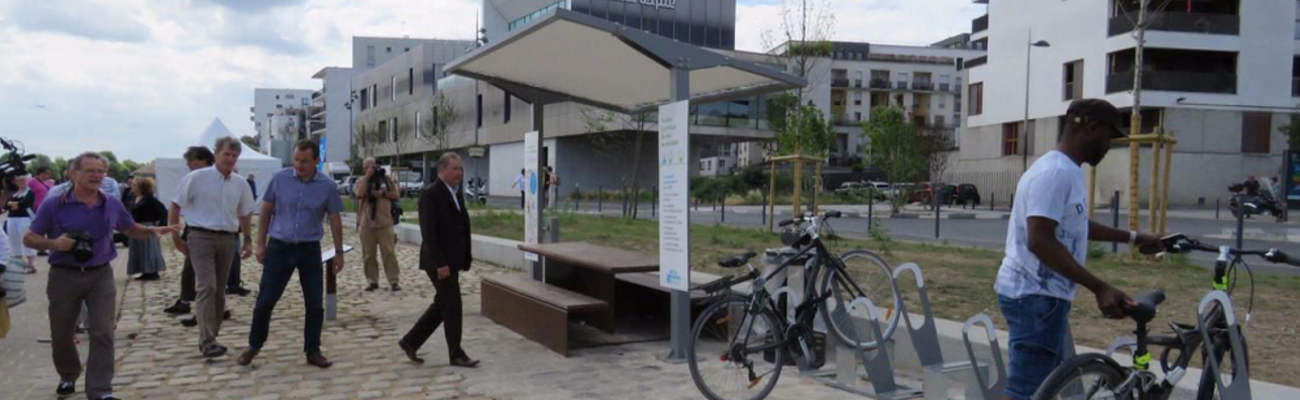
387, 48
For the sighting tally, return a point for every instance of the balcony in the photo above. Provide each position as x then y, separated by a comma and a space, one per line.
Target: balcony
857, 83
944, 87
1219, 24
879, 83
840, 82
975, 62
1175, 81
979, 24
900, 85
922, 85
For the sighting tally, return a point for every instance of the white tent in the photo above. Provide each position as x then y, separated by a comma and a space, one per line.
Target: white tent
170, 169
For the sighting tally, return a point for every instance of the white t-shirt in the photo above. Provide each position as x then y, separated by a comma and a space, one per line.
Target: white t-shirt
214, 201
1052, 188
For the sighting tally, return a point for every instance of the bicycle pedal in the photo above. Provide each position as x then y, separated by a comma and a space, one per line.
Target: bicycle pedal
754, 382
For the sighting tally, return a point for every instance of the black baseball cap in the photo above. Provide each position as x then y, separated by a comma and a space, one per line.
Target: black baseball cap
1086, 111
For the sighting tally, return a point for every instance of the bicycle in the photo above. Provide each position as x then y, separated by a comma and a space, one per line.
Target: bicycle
748, 337
1216, 334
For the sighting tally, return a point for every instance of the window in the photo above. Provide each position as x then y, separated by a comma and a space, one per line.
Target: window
392, 88
288, 96
419, 131
365, 100
410, 81
507, 107
1072, 76
392, 129
857, 116
374, 95
478, 106
370, 56
1011, 138
383, 130
938, 122
857, 98
388, 49
1255, 132
976, 98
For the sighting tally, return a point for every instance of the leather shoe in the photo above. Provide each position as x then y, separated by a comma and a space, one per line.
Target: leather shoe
66, 388
396, 288
181, 307
410, 352
246, 357
318, 360
225, 315
238, 290
188, 322
464, 362
214, 350
372, 287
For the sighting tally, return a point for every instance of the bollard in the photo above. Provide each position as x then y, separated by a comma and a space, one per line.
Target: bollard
600, 199
654, 201
1114, 214
1241, 221
993, 198
936, 216
1216, 209
871, 204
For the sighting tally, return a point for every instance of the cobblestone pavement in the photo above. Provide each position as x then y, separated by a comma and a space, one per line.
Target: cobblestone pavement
157, 358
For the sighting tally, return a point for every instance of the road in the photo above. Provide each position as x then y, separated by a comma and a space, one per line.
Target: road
991, 233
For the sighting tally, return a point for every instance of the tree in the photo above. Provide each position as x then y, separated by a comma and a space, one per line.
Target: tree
59, 168
934, 149
608, 132
436, 128
806, 27
893, 148
1292, 132
251, 142
39, 161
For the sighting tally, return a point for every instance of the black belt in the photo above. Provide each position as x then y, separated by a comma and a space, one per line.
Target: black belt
81, 268
212, 231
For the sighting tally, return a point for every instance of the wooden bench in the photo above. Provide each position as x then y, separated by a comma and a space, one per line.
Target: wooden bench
539, 311
588, 268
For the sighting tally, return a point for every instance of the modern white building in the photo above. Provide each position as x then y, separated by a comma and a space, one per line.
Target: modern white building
924, 81
1220, 76
331, 113
266, 101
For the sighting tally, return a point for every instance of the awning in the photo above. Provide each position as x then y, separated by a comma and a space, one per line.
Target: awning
571, 56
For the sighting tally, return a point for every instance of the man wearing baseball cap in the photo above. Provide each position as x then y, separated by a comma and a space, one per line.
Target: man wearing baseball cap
1047, 247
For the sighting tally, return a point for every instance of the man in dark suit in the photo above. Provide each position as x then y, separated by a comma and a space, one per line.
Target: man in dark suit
444, 253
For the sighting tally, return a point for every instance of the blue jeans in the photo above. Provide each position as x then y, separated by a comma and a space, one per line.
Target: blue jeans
281, 260
1038, 326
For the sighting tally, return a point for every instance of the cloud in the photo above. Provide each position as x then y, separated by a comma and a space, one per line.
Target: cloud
93, 21
252, 6
267, 32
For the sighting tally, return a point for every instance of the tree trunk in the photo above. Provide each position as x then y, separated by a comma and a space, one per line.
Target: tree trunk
636, 171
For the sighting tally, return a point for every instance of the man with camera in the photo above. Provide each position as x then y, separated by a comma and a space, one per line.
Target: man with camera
78, 227
376, 193
217, 204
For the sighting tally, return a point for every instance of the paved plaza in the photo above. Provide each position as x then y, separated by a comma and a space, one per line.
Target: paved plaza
157, 358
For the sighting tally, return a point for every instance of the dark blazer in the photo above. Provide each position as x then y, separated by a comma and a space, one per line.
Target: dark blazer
444, 231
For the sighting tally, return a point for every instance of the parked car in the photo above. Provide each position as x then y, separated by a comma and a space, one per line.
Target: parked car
851, 186
410, 183
967, 194
346, 185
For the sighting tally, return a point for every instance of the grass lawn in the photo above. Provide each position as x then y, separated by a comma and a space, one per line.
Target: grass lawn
960, 281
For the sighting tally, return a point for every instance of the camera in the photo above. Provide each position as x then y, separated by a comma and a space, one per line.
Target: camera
13, 164
84, 249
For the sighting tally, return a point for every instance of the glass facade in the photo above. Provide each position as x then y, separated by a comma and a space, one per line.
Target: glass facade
705, 23
541, 12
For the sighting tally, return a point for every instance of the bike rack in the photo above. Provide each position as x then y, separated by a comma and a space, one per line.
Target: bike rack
878, 366
925, 340
1239, 388
995, 389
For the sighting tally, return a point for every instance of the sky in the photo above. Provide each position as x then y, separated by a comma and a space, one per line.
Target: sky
143, 78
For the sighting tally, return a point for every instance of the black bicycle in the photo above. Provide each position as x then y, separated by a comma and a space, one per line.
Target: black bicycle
740, 343
1218, 336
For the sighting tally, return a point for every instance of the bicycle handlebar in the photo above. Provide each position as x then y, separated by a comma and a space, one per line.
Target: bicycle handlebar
1180, 243
808, 217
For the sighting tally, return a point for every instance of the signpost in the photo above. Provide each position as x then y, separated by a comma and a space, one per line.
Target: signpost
531, 187
674, 179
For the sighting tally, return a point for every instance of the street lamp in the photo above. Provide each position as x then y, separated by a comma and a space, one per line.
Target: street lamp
1024, 146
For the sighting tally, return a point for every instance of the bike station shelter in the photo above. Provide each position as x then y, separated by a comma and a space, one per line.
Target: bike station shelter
573, 57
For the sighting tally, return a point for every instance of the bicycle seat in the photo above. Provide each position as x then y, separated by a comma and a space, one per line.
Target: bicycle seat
1147, 302
736, 260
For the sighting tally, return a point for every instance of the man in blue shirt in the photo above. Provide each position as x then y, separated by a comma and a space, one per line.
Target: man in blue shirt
77, 277
295, 202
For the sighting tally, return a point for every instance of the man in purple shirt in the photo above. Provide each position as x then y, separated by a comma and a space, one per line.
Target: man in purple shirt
296, 201
76, 277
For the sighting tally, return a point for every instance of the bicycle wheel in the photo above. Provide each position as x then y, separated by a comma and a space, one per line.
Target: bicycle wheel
1086, 376
1208, 388
724, 360
868, 276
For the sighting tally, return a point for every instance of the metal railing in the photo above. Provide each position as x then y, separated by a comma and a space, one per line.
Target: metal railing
975, 62
879, 83
1221, 24
979, 24
1176, 81
839, 82
922, 85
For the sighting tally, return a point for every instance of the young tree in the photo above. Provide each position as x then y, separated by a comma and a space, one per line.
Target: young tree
892, 147
608, 133
805, 30
436, 128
